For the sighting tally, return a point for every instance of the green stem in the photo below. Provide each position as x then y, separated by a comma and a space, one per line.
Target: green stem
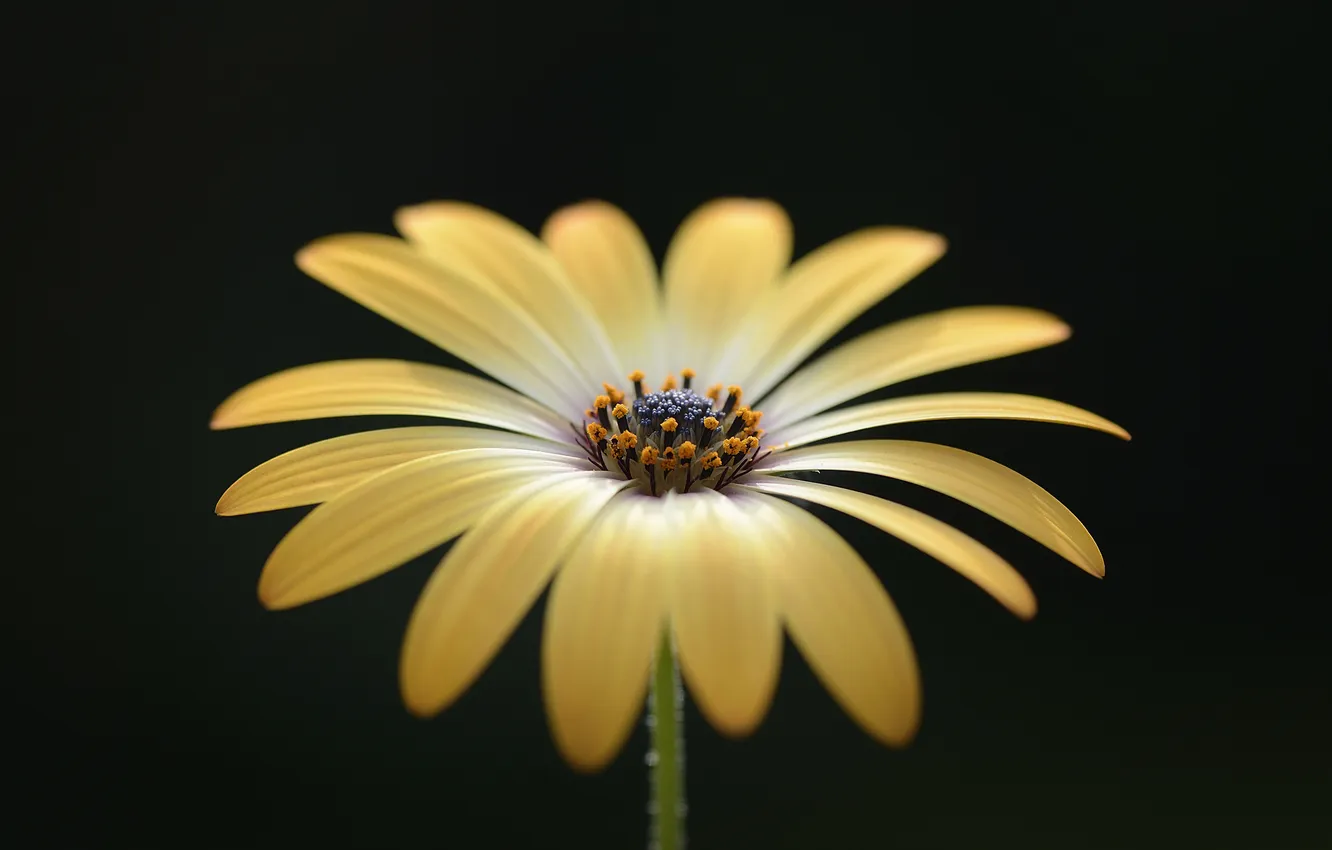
666, 758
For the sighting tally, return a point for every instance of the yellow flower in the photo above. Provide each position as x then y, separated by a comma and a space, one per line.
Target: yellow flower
701, 539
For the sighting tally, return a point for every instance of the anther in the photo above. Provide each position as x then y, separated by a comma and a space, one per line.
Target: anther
600, 403
621, 416
616, 396
637, 377
686, 450
648, 456
733, 445
714, 393
668, 461
711, 423
668, 384
669, 424
596, 432
687, 375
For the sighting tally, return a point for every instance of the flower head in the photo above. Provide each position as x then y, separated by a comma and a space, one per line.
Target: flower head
645, 509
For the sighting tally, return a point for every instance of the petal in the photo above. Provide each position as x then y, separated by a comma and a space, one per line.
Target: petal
842, 621
970, 558
385, 387
486, 247
924, 408
819, 295
908, 349
322, 470
724, 611
605, 615
390, 519
605, 255
726, 256
470, 319
980, 482
484, 586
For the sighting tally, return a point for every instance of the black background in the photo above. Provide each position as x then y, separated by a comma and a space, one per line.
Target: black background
1140, 172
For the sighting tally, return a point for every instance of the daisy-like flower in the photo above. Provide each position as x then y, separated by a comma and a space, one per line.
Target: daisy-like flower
637, 443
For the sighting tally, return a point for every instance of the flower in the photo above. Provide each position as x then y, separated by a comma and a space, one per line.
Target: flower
623, 461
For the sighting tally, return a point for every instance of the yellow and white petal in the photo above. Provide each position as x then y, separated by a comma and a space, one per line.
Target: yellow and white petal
980, 482
969, 557
724, 259
485, 246
385, 387
484, 586
318, 472
821, 293
908, 349
937, 406
606, 611
469, 318
724, 610
606, 257
390, 519
842, 621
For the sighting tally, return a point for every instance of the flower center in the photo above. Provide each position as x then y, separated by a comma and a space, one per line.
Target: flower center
674, 438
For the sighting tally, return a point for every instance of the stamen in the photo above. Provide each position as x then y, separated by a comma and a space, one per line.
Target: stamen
738, 423
669, 425
687, 375
714, 393
616, 396
732, 397
668, 461
600, 404
637, 377
596, 432
668, 384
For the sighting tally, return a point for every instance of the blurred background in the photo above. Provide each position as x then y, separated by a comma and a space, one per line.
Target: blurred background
1143, 173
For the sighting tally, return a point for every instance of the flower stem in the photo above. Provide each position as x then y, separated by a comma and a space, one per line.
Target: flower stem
666, 758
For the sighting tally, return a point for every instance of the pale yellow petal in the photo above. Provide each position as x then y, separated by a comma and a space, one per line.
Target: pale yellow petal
725, 257
488, 580
390, 519
923, 408
908, 349
605, 255
605, 615
842, 621
471, 319
980, 482
990, 572
385, 387
724, 611
318, 472
485, 246
821, 293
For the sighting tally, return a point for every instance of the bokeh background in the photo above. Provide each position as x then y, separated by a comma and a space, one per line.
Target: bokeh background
1138, 172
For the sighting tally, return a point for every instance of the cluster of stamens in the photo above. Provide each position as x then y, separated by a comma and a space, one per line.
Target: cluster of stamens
673, 439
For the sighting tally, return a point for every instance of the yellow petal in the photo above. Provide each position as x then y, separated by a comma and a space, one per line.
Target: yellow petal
980, 482
606, 611
605, 255
322, 470
724, 610
842, 621
725, 257
970, 558
385, 387
484, 246
923, 408
908, 349
482, 326
484, 586
391, 518
819, 295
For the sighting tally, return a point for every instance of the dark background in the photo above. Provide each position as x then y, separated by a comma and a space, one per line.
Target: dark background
1142, 173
